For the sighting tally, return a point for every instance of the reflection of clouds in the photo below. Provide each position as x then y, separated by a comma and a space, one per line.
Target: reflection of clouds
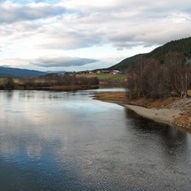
8, 146
34, 150
66, 128
89, 139
34, 119
88, 106
11, 145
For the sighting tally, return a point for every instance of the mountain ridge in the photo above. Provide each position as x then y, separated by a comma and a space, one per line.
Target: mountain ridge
18, 72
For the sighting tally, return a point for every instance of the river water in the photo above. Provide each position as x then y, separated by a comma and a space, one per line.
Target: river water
57, 141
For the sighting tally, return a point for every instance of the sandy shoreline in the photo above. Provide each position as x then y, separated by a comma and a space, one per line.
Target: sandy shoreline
166, 116
173, 112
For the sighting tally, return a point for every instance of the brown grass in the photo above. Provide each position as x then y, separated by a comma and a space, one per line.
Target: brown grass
112, 96
145, 102
182, 122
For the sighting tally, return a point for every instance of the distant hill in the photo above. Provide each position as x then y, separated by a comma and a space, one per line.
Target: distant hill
125, 63
16, 72
182, 46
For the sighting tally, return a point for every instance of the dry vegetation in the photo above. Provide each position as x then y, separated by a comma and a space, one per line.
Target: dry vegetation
49, 82
176, 103
149, 78
119, 97
144, 102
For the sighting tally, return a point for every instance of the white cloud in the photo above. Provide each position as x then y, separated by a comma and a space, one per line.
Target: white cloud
40, 29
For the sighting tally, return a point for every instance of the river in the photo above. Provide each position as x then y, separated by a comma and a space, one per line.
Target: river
57, 141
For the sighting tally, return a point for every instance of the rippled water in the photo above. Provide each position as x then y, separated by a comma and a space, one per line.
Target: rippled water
54, 141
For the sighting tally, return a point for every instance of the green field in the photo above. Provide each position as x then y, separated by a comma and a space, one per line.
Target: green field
112, 77
120, 77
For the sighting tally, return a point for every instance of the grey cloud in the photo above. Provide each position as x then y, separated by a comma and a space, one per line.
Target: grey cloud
11, 13
71, 40
121, 32
137, 22
125, 24
63, 62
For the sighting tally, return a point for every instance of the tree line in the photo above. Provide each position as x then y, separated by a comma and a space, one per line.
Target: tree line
149, 78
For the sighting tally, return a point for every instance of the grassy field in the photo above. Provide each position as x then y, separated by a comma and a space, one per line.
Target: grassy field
120, 77
116, 77
16, 80
108, 80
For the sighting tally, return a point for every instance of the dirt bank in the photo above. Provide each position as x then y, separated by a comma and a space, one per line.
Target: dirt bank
172, 111
166, 116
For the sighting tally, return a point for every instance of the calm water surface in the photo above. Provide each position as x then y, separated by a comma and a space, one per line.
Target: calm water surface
55, 141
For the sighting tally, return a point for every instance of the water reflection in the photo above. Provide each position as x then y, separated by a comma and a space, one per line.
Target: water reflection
67, 141
170, 142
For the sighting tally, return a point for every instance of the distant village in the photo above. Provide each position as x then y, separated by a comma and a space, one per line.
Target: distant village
114, 72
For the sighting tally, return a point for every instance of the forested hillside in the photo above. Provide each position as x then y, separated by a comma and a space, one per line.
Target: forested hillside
182, 47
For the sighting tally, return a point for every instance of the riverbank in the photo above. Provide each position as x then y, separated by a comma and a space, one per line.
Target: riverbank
58, 88
53, 82
172, 111
166, 116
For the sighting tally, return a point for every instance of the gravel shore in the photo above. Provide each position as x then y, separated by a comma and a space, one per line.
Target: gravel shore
172, 111
166, 116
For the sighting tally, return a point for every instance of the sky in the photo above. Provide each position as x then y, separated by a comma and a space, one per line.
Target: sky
75, 35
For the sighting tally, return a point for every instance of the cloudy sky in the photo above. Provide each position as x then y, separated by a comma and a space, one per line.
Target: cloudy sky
73, 35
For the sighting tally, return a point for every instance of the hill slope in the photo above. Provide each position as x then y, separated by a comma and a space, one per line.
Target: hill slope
182, 46
16, 72
124, 63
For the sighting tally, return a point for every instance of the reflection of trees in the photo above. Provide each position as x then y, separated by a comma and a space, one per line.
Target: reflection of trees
141, 124
170, 141
9, 94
